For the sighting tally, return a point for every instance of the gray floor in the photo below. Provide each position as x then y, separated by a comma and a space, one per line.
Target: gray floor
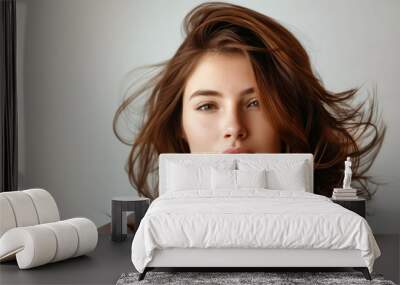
111, 259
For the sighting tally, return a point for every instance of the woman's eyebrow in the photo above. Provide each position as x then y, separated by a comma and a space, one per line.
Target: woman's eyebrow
207, 92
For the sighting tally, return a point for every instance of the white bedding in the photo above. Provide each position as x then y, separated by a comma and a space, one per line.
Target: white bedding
250, 218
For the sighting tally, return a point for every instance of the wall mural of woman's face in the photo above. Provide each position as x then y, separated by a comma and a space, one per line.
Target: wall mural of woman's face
222, 110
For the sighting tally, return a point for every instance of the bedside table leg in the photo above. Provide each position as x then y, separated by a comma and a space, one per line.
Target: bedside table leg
116, 221
140, 211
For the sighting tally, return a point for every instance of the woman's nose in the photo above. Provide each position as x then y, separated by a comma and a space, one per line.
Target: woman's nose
234, 127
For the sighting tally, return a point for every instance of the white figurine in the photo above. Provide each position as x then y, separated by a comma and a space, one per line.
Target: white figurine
347, 174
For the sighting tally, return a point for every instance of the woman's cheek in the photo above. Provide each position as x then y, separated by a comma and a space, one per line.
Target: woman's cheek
203, 125
197, 126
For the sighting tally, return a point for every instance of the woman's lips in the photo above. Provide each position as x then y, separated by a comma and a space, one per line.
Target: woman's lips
237, 150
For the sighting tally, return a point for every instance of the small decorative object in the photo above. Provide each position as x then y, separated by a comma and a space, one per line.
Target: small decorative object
347, 174
347, 192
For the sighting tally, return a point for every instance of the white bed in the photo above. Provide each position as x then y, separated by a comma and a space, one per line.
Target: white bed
198, 223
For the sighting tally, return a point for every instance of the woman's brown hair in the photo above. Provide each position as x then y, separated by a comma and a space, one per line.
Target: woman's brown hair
307, 117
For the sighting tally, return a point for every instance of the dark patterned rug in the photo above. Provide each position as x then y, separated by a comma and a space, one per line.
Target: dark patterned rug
230, 278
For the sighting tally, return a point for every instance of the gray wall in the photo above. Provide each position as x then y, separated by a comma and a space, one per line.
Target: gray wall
74, 55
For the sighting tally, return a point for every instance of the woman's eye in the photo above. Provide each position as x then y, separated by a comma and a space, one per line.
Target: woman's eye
205, 107
254, 103
209, 106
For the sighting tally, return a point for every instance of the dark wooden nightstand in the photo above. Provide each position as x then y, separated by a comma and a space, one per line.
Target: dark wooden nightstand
357, 206
119, 207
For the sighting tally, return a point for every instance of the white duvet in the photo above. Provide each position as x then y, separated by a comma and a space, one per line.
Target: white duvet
251, 218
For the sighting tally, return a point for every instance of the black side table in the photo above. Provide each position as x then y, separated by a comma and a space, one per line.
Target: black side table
357, 206
119, 207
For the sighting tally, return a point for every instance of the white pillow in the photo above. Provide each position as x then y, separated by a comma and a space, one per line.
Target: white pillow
281, 175
251, 178
183, 176
293, 178
223, 179
236, 179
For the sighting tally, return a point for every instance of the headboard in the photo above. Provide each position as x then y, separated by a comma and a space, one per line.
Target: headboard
210, 157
